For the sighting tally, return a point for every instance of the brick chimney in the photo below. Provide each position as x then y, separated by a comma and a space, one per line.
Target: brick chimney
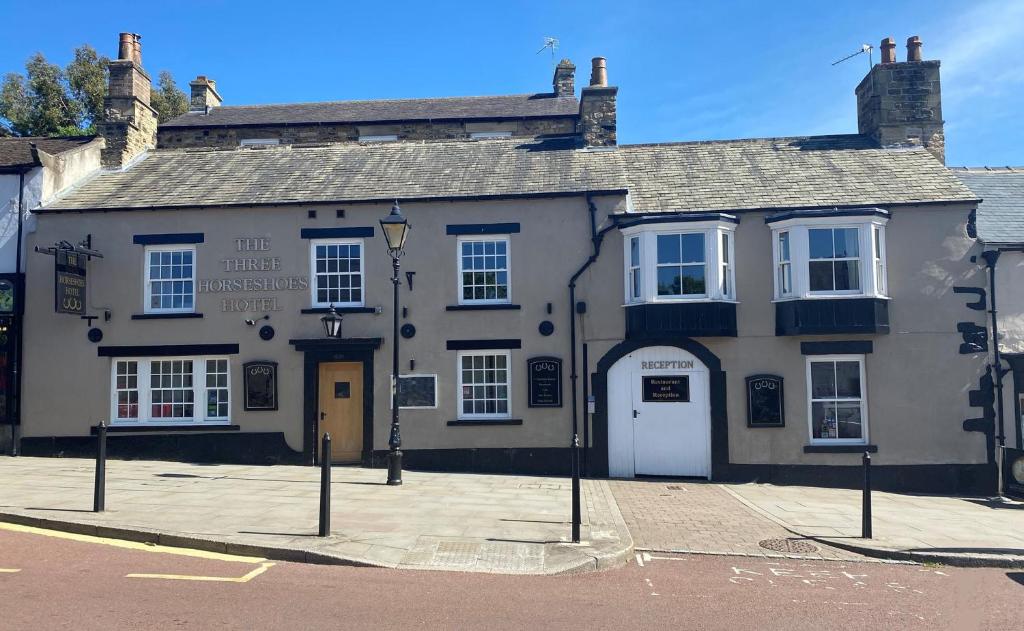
204, 95
597, 108
129, 122
899, 104
564, 83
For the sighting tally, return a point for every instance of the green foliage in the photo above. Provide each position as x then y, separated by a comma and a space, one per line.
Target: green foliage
50, 101
168, 100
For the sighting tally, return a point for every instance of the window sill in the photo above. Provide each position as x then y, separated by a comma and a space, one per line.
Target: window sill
681, 301
152, 427
840, 449
479, 421
484, 307
343, 310
831, 297
165, 316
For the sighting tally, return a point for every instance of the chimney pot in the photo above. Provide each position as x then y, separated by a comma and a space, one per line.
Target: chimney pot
888, 50
126, 46
914, 48
598, 72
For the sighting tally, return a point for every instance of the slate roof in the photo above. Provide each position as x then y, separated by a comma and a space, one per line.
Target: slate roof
348, 173
784, 173
1000, 217
392, 110
15, 152
796, 172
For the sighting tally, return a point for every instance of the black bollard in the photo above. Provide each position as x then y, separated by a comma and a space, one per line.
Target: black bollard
575, 464
325, 486
865, 523
99, 489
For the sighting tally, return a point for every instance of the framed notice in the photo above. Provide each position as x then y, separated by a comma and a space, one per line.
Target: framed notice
417, 391
666, 388
544, 382
260, 380
765, 402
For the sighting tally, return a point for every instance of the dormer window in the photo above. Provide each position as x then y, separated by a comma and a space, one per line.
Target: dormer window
680, 260
829, 254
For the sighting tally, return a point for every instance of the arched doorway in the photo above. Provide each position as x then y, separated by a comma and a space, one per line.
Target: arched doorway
659, 415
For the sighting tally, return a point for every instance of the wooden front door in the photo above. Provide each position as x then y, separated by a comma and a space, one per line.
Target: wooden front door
341, 409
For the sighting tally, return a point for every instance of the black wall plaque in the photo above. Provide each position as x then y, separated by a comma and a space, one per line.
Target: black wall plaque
417, 391
765, 401
69, 283
545, 382
260, 379
666, 388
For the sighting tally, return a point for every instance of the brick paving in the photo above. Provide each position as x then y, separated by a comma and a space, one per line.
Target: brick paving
702, 517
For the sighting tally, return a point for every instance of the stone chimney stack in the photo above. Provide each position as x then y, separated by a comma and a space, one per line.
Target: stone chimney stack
899, 104
564, 83
129, 122
204, 95
597, 108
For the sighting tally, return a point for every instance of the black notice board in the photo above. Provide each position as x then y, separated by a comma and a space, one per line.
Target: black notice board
260, 380
69, 283
666, 388
544, 382
765, 401
417, 391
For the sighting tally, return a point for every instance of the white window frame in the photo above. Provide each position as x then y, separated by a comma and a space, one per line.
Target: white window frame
147, 288
783, 266
460, 415
313, 243
379, 138
145, 392
799, 252
259, 142
634, 273
714, 263
486, 135
837, 259
508, 268
861, 361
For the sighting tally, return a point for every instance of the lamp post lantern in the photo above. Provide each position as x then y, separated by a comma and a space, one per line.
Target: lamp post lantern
396, 229
332, 323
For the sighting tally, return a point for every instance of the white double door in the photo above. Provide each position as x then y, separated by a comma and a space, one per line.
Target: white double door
659, 420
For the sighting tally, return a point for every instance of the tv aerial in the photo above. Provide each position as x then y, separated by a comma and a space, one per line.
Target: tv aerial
549, 43
864, 48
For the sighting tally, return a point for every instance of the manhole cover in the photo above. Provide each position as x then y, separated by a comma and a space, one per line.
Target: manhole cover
788, 546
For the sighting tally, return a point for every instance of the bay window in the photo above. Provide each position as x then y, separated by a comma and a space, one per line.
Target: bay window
830, 254
680, 261
837, 405
179, 390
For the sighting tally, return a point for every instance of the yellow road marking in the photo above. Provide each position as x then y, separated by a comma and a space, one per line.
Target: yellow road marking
7, 571
131, 545
222, 579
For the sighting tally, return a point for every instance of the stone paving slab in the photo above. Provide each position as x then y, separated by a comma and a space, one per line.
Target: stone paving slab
972, 531
701, 517
464, 522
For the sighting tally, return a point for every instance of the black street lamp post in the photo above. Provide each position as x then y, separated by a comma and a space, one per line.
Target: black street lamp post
396, 229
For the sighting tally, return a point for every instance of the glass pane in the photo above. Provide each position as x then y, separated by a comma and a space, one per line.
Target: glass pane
823, 380
847, 242
823, 420
847, 275
725, 247
820, 243
784, 246
878, 243
821, 275
693, 248
669, 281
634, 251
848, 379
668, 248
848, 420
693, 280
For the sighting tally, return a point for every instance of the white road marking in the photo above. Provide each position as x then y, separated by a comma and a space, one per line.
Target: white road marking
639, 559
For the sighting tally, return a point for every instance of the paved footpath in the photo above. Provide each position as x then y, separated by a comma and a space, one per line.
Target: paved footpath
467, 522
950, 530
702, 517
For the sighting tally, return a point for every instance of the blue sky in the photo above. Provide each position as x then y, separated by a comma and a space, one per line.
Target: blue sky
686, 70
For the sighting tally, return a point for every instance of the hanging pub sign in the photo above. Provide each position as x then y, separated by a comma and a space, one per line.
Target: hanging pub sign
765, 401
69, 282
260, 385
666, 388
545, 382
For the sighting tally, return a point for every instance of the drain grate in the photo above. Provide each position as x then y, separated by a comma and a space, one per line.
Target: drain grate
675, 487
788, 546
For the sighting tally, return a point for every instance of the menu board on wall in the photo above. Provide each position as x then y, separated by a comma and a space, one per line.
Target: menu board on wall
765, 401
417, 391
260, 385
545, 382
